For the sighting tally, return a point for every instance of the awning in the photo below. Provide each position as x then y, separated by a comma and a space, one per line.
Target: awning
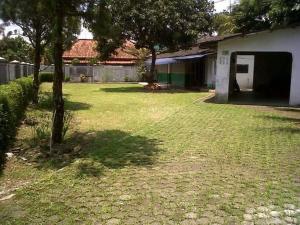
190, 57
164, 61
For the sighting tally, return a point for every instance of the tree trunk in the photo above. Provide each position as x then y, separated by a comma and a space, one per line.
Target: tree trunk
37, 65
152, 69
58, 110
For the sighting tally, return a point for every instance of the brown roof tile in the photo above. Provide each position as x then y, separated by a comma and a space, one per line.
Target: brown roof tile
85, 49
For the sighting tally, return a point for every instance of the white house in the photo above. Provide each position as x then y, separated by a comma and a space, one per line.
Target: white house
264, 62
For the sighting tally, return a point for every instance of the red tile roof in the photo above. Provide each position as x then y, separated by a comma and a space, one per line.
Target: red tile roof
84, 49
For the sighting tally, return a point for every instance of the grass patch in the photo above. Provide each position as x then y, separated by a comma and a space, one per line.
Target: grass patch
137, 157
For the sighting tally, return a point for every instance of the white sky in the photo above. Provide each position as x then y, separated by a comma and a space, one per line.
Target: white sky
220, 5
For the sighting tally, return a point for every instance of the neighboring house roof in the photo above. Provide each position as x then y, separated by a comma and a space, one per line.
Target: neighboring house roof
195, 50
84, 50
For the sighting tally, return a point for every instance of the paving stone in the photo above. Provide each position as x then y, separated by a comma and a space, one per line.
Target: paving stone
289, 219
250, 211
289, 206
262, 209
188, 222
113, 221
275, 214
125, 197
203, 221
191, 215
262, 216
275, 221
289, 212
247, 223
248, 217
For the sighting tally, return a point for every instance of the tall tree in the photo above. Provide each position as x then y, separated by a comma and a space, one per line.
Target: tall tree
152, 24
33, 18
65, 15
255, 15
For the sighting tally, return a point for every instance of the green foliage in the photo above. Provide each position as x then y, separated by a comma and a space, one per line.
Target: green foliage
75, 61
165, 23
224, 23
46, 77
16, 49
14, 98
254, 15
41, 129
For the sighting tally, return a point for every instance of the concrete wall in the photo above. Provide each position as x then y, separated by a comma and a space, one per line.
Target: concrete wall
210, 71
284, 40
13, 70
98, 73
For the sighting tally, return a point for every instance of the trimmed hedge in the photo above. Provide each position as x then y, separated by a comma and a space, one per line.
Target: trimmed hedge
46, 77
14, 97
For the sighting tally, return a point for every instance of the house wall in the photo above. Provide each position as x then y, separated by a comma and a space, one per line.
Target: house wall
210, 71
175, 73
284, 40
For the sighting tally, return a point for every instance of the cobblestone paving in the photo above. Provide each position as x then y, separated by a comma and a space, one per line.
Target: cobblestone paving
207, 164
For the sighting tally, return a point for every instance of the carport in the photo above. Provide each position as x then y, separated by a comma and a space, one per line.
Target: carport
260, 77
272, 71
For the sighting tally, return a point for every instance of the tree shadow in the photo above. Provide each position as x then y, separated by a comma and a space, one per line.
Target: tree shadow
112, 149
282, 129
46, 102
244, 100
281, 119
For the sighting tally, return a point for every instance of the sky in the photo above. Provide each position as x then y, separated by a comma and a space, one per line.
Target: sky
220, 5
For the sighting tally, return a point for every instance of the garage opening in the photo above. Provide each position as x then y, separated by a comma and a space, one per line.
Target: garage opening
260, 77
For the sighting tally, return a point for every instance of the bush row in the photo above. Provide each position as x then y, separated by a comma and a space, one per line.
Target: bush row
48, 77
14, 97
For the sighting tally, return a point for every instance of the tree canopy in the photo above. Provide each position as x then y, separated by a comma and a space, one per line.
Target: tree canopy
152, 24
254, 15
16, 49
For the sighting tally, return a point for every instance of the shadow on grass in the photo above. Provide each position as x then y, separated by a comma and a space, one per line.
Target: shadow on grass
282, 119
46, 101
142, 90
236, 100
112, 149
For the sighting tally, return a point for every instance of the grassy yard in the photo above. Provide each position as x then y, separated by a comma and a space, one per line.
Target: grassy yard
135, 157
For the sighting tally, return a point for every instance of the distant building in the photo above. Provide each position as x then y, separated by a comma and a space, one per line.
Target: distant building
193, 68
84, 51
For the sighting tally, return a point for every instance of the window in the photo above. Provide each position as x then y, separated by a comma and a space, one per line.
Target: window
242, 68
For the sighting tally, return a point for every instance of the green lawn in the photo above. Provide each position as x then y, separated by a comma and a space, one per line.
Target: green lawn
157, 158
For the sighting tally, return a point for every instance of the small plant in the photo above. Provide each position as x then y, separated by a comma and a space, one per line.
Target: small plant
67, 79
126, 79
68, 118
75, 61
42, 129
83, 78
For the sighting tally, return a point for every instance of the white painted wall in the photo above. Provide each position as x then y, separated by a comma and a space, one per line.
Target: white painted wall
284, 40
210, 70
245, 80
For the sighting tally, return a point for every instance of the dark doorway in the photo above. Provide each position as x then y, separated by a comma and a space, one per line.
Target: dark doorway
195, 75
271, 78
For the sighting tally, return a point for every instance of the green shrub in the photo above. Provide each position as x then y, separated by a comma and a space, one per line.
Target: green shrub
14, 98
46, 77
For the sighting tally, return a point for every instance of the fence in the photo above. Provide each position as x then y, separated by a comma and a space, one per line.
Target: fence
14, 70
98, 73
